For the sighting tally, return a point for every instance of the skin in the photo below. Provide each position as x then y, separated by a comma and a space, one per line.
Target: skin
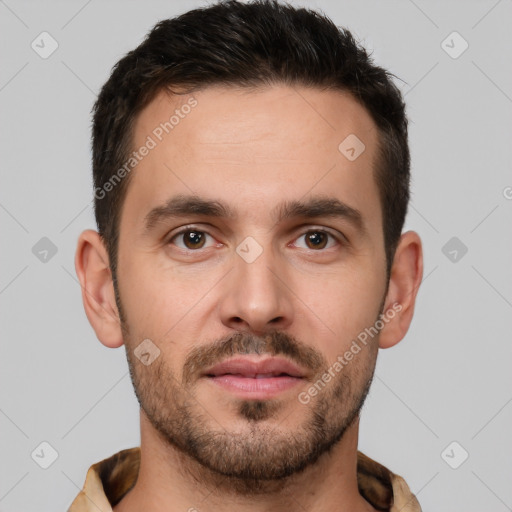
252, 150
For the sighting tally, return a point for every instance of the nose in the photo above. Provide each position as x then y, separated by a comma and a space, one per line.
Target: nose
256, 297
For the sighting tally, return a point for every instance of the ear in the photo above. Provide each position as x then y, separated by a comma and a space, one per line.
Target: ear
404, 282
93, 270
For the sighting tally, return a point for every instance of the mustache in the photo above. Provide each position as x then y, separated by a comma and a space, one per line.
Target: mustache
243, 343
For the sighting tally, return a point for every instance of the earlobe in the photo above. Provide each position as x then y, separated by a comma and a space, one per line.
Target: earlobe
405, 280
93, 271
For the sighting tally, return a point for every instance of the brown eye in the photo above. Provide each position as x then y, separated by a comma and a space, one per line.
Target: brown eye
316, 239
190, 239
193, 239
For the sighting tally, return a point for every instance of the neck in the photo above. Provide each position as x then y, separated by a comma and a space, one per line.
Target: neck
170, 481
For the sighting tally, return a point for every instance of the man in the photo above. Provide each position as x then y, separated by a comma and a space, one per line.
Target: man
251, 173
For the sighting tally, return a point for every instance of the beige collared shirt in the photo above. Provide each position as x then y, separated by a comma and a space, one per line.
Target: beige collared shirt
109, 480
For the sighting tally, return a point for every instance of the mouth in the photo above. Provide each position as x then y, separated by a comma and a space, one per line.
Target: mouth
256, 369
255, 379
252, 375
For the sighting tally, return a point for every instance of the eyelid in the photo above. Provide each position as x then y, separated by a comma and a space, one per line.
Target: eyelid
304, 228
184, 229
337, 236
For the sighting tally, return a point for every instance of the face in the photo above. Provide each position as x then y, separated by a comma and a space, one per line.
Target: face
246, 232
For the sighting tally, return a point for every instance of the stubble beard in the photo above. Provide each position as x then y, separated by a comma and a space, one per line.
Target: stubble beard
260, 457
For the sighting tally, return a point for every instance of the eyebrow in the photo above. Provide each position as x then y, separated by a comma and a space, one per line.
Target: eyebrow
329, 207
187, 205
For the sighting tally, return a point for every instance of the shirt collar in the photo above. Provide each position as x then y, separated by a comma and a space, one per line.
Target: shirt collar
109, 480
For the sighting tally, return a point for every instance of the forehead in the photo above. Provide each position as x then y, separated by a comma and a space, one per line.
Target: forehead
254, 146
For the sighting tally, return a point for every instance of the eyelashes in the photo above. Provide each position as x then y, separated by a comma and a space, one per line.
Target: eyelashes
191, 239
196, 237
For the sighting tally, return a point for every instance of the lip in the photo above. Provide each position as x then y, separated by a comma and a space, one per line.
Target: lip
250, 368
247, 378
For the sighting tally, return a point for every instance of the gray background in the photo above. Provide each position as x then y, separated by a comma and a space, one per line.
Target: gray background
449, 380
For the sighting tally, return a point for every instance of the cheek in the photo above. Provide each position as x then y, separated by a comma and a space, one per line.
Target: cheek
153, 300
164, 302
156, 309
343, 305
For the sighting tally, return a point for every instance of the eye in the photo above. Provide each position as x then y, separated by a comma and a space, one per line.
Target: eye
317, 239
191, 239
